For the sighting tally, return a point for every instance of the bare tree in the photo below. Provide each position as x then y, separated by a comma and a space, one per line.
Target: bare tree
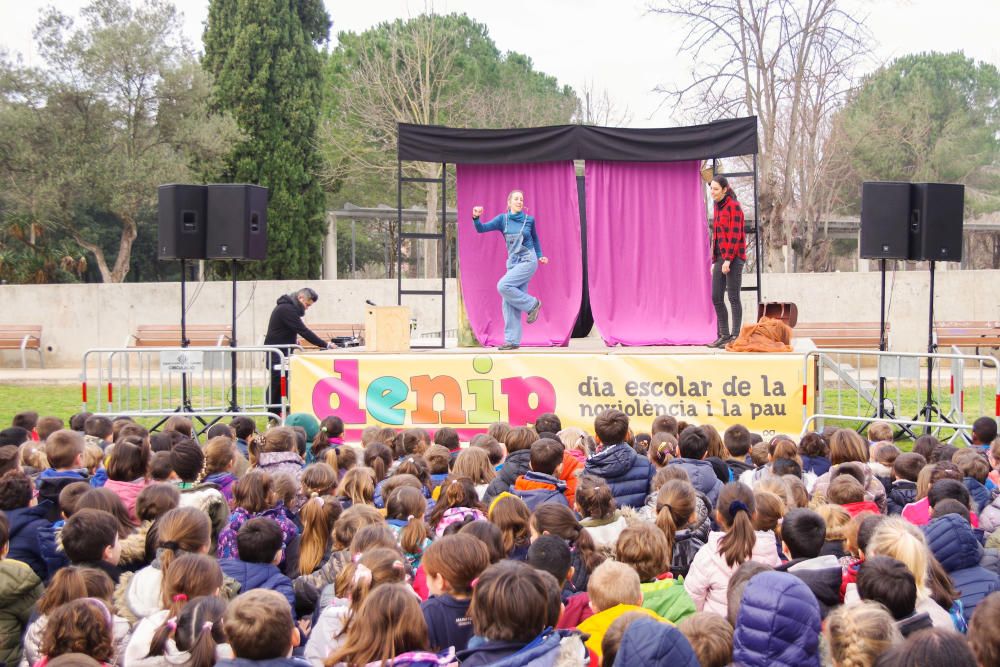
597, 108
790, 63
426, 71
402, 81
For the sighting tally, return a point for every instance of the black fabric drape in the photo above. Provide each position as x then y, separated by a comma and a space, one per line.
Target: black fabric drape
435, 143
585, 319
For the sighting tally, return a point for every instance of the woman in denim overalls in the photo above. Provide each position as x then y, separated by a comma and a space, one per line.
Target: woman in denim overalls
524, 253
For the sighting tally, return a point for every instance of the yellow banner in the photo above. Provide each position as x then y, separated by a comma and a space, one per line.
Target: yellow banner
469, 391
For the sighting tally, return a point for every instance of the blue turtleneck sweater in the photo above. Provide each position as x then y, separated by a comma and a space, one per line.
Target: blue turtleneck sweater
514, 221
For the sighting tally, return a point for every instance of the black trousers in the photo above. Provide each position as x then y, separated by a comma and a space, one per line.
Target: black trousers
273, 395
724, 284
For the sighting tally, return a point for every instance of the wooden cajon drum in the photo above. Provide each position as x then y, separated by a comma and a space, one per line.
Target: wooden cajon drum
387, 329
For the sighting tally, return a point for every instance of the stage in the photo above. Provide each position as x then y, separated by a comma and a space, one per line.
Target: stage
470, 388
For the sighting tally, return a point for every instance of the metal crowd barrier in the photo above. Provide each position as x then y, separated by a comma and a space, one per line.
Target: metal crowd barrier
197, 382
963, 388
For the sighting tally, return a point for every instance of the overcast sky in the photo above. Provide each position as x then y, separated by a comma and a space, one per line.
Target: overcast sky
614, 45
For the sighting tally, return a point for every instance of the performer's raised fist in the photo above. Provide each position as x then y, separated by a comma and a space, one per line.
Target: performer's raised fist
477, 211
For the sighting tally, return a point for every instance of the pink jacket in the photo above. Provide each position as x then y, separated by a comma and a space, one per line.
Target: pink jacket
128, 492
708, 579
919, 513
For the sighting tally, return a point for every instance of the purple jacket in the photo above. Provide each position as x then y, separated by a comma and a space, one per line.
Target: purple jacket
225, 482
227, 538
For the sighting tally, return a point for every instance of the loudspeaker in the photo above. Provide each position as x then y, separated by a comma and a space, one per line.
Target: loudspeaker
913, 221
936, 222
181, 221
885, 220
238, 215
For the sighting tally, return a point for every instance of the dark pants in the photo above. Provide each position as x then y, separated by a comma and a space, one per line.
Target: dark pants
273, 395
723, 284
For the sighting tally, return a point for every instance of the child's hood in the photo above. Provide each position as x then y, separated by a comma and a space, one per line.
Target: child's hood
611, 462
16, 581
276, 458
143, 592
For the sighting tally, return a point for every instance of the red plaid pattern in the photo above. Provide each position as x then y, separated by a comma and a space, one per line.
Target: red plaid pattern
728, 239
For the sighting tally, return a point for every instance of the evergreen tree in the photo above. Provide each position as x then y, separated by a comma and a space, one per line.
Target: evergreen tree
926, 117
268, 75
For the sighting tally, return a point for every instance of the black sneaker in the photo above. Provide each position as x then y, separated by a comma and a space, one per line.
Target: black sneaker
508, 346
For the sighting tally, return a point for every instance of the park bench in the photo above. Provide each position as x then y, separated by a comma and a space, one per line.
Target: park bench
169, 335
841, 335
967, 334
329, 331
22, 337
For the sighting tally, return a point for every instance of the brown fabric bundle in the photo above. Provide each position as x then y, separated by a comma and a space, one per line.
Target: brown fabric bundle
767, 335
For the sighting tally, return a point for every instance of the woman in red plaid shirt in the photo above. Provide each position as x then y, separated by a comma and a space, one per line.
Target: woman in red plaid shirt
729, 253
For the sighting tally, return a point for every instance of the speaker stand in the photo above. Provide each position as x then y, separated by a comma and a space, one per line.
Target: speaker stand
883, 345
185, 398
185, 407
882, 342
930, 408
233, 404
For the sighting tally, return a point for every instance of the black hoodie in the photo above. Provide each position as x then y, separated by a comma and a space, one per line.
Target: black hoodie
738, 467
515, 465
286, 325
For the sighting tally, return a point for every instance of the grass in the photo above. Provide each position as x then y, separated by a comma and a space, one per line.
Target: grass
907, 402
62, 400
56, 400
65, 400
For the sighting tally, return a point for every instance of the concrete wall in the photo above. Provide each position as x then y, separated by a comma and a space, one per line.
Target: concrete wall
79, 317
76, 318
854, 297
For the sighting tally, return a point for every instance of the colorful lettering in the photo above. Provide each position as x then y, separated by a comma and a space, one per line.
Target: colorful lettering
485, 411
345, 388
519, 392
427, 389
382, 397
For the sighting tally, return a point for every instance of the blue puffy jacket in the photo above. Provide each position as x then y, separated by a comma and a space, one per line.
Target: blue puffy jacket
901, 493
980, 494
650, 642
538, 488
818, 465
778, 623
259, 575
627, 473
702, 476
27, 525
52, 552
50, 484
542, 651
954, 544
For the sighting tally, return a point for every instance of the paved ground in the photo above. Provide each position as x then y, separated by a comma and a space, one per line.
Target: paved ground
40, 375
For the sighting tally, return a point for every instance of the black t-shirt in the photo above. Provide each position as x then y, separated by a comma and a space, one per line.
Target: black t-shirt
448, 622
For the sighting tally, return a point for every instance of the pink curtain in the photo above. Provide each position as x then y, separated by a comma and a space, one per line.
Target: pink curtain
648, 253
550, 195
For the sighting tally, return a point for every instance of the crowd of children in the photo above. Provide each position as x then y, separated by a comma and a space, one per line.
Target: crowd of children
527, 546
